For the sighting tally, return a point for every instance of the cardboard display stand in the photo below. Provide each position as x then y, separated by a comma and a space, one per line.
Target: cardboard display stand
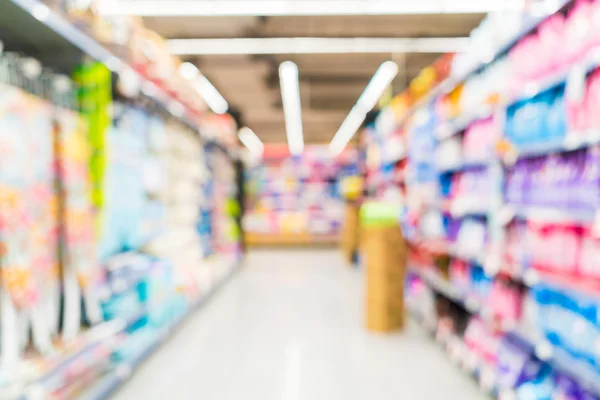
385, 254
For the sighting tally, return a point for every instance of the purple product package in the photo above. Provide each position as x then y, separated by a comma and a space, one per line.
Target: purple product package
574, 164
586, 395
534, 191
516, 364
516, 183
589, 177
562, 185
453, 228
566, 388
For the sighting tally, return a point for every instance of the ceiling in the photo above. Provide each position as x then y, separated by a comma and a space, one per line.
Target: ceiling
330, 84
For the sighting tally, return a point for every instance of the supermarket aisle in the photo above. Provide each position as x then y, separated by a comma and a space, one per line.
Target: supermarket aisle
289, 327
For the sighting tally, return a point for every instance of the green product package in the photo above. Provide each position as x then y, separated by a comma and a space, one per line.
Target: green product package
379, 214
95, 98
232, 208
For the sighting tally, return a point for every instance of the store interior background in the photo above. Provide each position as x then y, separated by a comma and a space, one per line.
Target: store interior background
299, 199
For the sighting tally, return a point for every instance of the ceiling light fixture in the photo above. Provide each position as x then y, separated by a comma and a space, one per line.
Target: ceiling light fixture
384, 75
309, 45
188, 71
232, 8
251, 141
207, 91
290, 94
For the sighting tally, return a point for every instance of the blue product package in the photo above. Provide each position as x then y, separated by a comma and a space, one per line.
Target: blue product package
539, 388
585, 329
516, 364
556, 121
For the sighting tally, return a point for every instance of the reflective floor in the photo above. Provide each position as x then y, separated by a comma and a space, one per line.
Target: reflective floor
289, 327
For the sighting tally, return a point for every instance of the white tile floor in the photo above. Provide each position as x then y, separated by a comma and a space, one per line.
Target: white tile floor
289, 327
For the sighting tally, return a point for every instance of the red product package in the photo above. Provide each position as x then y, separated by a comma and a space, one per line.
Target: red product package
554, 247
589, 258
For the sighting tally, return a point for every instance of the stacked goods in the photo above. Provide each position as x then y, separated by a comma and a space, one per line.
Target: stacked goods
181, 195
383, 248
297, 199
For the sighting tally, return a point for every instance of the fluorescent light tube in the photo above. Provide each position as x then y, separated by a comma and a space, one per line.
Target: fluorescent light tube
308, 45
188, 71
207, 91
211, 95
251, 141
290, 94
232, 8
348, 128
384, 75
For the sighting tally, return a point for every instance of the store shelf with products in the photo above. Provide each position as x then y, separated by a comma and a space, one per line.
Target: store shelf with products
492, 44
94, 225
296, 201
544, 351
121, 372
501, 208
83, 34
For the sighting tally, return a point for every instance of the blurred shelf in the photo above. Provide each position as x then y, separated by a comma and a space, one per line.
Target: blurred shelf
552, 214
106, 385
463, 166
531, 89
446, 289
457, 125
558, 358
291, 239
583, 373
528, 24
462, 359
571, 142
54, 40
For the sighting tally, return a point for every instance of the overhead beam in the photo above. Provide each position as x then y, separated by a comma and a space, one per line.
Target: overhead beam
233, 8
311, 45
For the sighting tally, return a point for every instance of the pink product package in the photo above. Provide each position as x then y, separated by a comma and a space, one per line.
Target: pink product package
578, 117
491, 346
594, 33
576, 32
514, 250
479, 139
589, 259
590, 114
459, 274
522, 61
554, 247
582, 114
551, 34
505, 301
474, 335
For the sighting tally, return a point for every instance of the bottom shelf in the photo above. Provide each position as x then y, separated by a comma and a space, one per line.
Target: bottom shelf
560, 360
453, 347
105, 386
291, 239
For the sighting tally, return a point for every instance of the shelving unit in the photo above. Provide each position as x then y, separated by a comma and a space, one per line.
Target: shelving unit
438, 189
163, 127
49, 33
529, 22
120, 373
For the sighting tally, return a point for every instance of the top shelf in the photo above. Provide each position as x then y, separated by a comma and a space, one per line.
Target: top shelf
529, 22
32, 27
